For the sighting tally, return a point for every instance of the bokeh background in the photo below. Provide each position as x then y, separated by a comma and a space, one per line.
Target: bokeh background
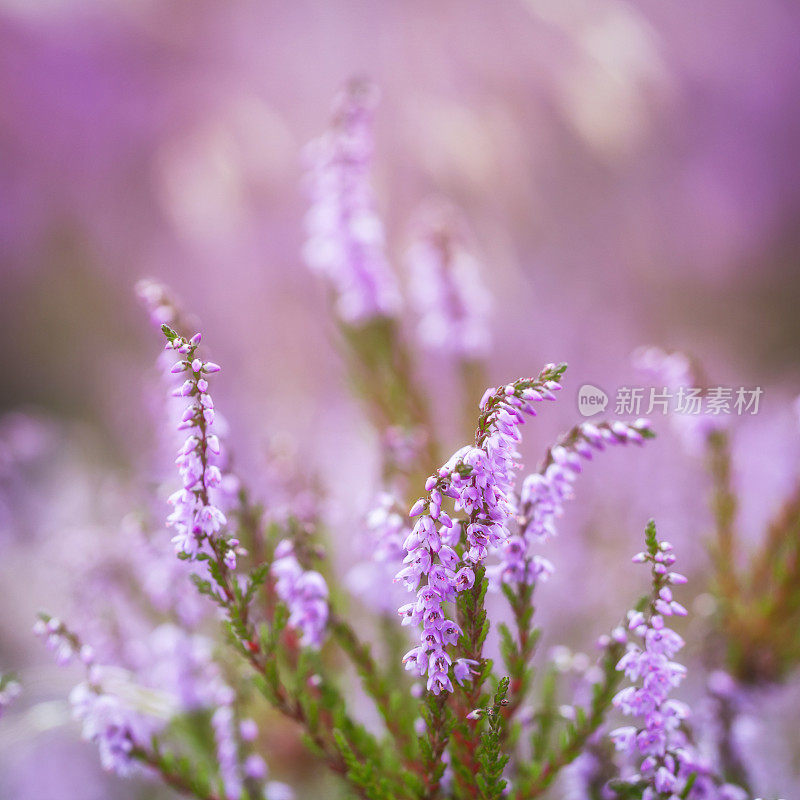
629, 171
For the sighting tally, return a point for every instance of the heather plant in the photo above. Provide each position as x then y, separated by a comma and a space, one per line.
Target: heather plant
252, 620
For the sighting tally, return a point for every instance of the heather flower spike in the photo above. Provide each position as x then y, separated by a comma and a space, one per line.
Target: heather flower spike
345, 234
109, 718
196, 519
667, 764
442, 552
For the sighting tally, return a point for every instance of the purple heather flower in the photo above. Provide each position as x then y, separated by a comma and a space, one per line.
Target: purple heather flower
196, 518
345, 234
480, 479
445, 280
666, 758
463, 669
175, 672
115, 713
111, 724
544, 493
304, 592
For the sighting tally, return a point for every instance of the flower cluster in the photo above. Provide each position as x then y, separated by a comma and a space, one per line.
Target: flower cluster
544, 493
345, 234
448, 293
196, 519
112, 725
304, 592
669, 766
121, 713
480, 479
106, 702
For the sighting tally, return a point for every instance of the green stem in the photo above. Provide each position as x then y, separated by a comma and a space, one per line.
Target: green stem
468, 731
433, 745
723, 506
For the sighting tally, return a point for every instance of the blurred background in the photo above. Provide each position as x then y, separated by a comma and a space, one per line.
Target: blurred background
629, 172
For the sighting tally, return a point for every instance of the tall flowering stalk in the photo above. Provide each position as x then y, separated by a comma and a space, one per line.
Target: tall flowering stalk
345, 234
114, 719
668, 766
346, 244
448, 554
164, 580
196, 519
445, 552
